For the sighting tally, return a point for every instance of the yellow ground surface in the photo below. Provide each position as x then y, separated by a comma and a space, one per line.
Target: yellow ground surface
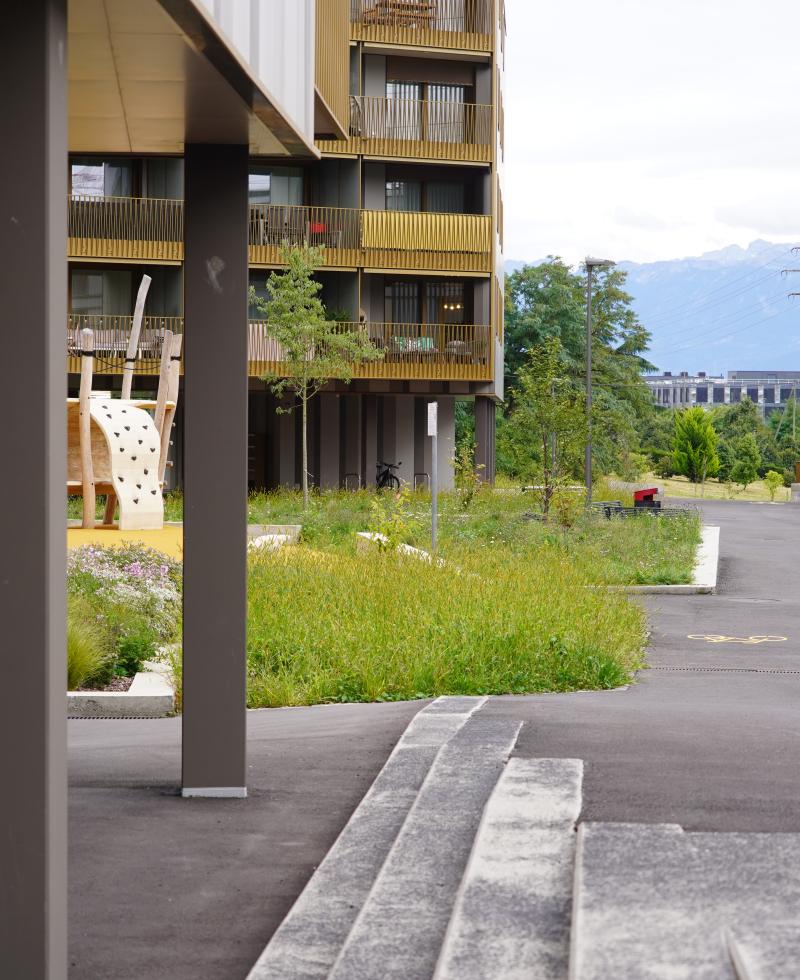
169, 540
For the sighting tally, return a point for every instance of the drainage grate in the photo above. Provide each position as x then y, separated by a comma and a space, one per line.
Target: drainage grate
727, 670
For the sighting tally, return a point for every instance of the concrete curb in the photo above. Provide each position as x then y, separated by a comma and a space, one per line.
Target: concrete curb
704, 581
150, 696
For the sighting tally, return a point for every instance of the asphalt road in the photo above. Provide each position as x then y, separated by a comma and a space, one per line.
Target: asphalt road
709, 737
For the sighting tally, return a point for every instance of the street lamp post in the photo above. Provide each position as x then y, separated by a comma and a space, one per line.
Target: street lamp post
591, 264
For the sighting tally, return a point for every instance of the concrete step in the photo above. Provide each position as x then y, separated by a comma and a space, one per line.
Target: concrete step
766, 951
399, 932
653, 901
306, 944
511, 918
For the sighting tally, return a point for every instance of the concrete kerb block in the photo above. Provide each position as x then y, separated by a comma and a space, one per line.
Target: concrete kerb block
149, 696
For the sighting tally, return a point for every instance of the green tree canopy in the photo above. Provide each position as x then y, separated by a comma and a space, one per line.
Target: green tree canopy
547, 301
695, 446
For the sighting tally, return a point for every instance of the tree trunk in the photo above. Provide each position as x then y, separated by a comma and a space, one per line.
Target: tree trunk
305, 450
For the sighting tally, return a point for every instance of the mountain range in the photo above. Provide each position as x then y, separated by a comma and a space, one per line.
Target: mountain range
724, 310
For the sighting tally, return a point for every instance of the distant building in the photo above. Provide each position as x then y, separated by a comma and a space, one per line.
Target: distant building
767, 389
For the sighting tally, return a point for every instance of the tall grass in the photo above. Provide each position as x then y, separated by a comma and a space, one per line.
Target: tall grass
88, 656
340, 627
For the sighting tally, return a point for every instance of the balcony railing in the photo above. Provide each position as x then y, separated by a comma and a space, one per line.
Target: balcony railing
410, 350
133, 228
129, 228
412, 240
418, 129
465, 24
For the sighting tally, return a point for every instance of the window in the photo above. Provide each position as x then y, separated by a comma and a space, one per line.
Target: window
444, 195
769, 396
403, 195
446, 114
702, 395
401, 303
403, 110
752, 394
444, 302
107, 291
275, 185
736, 395
719, 395
101, 178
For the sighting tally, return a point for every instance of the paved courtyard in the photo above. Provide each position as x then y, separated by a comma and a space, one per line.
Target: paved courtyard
707, 738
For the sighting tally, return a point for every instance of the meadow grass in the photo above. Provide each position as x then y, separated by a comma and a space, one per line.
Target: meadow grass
335, 626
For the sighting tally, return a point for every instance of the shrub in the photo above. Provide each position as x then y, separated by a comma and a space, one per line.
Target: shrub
133, 593
773, 480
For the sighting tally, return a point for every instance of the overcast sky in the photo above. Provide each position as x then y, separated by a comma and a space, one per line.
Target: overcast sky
642, 130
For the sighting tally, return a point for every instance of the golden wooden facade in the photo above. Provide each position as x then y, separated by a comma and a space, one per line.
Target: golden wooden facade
417, 130
411, 351
332, 61
466, 25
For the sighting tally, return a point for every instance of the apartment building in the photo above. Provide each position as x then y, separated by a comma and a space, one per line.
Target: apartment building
404, 194
769, 390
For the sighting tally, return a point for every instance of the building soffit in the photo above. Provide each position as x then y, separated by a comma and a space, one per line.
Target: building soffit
151, 76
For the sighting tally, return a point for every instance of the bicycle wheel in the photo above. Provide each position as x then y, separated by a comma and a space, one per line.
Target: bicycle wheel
391, 482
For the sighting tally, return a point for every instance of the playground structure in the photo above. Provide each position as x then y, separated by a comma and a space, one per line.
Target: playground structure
115, 447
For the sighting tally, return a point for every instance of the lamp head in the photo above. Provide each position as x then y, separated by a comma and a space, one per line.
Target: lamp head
592, 263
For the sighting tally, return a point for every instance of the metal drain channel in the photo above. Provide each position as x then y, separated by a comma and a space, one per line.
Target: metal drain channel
724, 670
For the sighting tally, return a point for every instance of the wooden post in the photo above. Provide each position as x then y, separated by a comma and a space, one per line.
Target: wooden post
163, 381
133, 340
172, 397
127, 373
85, 427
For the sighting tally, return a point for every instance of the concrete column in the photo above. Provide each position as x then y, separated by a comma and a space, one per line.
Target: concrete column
404, 434
369, 456
33, 234
485, 411
215, 461
329, 442
287, 455
447, 441
350, 408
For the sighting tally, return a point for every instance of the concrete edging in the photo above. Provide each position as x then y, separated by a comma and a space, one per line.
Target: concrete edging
150, 696
706, 565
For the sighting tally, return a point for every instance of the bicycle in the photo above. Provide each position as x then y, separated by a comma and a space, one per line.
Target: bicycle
386, 480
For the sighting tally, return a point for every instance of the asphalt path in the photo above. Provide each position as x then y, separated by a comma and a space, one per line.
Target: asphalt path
709, 735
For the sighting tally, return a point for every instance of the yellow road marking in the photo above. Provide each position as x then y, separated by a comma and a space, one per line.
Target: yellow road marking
749, 640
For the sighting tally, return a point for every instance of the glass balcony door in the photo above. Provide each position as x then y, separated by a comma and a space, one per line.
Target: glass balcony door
404, 110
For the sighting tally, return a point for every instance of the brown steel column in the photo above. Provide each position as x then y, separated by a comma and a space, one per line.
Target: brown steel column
215, 471
33, 729
485, 421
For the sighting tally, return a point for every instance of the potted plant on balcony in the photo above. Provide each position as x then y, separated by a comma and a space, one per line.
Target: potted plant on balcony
314, 347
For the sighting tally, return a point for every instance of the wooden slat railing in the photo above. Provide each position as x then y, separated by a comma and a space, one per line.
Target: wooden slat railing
456, 351
418, 129
125, 228
466, 24
333, 57
111, 335
374, 239
424, 351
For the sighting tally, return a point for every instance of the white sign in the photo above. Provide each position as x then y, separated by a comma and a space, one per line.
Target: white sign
433, 416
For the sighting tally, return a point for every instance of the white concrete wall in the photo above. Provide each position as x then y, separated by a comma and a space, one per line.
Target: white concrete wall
276, 39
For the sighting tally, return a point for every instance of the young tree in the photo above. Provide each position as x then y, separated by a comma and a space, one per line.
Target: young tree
549, 414
748, 460
695, 445
773, 480
314, 349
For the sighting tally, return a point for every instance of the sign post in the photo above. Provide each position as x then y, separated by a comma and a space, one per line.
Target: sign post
433, 432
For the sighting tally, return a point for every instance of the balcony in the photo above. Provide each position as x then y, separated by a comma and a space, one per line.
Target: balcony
133, 229
411, 351
409, 240
464, 24
429, 130
145, 229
